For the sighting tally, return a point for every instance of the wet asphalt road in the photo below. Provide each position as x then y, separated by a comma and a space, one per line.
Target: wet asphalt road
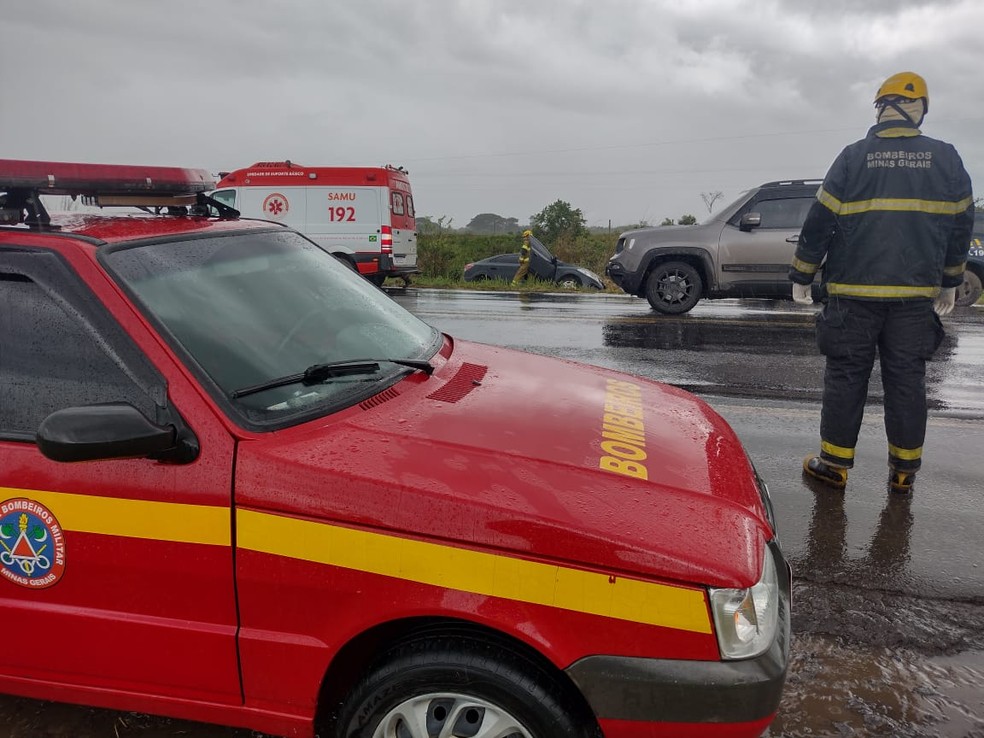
888, 610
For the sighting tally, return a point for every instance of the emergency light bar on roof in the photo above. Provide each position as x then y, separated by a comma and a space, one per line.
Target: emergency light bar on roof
171, 188
64, 178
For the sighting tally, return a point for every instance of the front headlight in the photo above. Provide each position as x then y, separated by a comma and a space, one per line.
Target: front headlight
745, 619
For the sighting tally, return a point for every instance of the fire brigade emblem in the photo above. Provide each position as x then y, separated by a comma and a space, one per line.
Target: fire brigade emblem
32, 544
275, 205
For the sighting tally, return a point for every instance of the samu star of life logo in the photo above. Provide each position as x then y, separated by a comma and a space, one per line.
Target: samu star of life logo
32, 544
275, 205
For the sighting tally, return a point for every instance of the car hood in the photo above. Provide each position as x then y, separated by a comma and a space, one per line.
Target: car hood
508, 451
677, 234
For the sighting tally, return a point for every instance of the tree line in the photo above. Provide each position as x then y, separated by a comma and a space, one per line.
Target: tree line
557, 220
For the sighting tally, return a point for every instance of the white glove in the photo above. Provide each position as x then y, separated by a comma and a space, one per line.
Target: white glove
802, 294
943, 305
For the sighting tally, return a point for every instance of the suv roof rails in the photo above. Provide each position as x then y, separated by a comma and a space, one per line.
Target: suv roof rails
791, 182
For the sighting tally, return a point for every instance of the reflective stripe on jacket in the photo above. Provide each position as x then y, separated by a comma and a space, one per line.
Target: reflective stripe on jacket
893, 218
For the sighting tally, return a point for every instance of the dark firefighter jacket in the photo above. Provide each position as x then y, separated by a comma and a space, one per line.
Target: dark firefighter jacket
893, 218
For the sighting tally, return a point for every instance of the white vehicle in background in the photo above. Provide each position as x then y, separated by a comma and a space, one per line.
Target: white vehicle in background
363, 215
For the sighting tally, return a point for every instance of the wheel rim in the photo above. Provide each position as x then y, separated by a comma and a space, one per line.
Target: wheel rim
675, 287
449, 715
969, 290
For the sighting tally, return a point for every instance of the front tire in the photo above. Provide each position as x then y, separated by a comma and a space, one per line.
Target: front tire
454, 686
674, 287
970, 291
570, 282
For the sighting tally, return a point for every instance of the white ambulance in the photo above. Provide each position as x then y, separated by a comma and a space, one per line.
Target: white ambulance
362, 215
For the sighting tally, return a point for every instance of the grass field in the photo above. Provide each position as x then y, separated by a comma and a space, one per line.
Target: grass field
442, 260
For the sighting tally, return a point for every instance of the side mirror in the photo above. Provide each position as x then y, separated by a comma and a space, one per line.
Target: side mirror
749, 221
115, 430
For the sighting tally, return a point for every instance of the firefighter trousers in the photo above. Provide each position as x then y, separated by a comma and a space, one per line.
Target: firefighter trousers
905, 334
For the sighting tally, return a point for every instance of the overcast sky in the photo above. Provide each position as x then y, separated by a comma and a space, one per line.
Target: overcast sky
626, 109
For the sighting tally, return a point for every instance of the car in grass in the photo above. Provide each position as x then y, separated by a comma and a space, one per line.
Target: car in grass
543, 266
970, 291
239, 484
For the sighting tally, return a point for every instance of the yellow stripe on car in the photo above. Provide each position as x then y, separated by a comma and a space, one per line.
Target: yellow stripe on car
478, 572
112, 516
439, 565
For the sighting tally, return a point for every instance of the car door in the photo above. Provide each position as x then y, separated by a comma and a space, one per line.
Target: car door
503, 266
542, 263
755, 259
115, 576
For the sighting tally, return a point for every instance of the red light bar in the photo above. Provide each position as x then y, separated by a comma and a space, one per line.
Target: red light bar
65, 178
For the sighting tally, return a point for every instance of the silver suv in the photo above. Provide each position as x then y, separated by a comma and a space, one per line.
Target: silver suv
744, 250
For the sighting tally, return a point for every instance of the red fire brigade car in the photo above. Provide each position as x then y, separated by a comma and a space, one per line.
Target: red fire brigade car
239, 484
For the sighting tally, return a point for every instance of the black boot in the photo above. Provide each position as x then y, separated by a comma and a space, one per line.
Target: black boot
829, 474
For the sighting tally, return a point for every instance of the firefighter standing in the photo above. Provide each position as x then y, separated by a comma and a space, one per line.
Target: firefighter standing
893, 218
524, 259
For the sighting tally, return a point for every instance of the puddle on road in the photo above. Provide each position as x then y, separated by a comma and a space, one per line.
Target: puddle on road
853, 692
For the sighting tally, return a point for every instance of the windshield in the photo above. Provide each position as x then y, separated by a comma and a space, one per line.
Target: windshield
249, 308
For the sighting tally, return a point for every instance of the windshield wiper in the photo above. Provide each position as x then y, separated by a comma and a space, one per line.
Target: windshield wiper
318, 373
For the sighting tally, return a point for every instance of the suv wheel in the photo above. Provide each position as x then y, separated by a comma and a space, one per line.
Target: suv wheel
673, 287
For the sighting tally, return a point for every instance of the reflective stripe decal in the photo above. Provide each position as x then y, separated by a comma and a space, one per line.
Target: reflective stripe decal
955, 271
493, 575
840, 451
905, 454
111, 516
881, 290
888, 204
804, 266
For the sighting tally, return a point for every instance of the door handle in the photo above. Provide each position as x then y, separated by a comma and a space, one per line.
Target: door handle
793, 239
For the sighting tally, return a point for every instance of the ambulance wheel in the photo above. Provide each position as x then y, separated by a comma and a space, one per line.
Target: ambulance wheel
461, 686
970, 291
673, 287
377, 279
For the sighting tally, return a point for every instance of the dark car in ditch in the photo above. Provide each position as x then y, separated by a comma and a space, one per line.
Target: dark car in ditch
543, 265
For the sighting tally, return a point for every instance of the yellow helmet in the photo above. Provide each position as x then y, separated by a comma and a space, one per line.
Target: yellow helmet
905, 84
527, 233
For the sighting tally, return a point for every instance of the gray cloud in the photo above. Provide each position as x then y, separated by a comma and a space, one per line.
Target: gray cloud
628, 109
